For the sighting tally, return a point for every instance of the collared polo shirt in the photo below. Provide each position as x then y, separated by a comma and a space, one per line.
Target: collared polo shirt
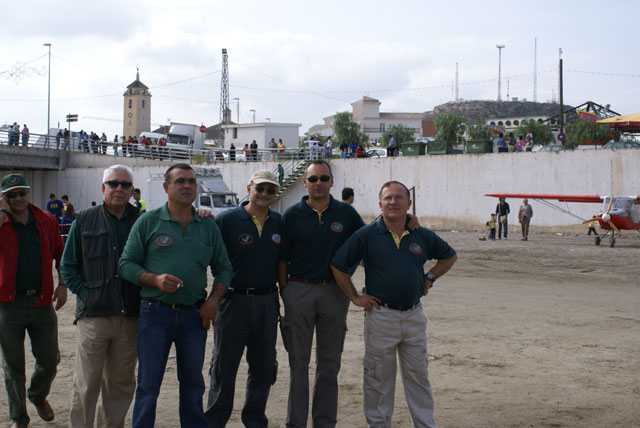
394, 275
158, 244
28, 273
253, 255
310, 239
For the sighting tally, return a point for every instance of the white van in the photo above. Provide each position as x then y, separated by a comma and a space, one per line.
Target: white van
154, 137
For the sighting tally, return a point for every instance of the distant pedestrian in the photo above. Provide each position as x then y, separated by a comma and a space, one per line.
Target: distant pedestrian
353, 146
348, 195
502, 144
103, 143
502, 214
592, 227
281, 149
59, 136
232, 153
524, 215
519, 144
115, 145
254, 151
492, 227
392, 147
54, 207
67, 138
25, 136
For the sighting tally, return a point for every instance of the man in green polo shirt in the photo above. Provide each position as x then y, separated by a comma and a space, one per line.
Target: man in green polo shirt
30, 241
394, 259
167, 253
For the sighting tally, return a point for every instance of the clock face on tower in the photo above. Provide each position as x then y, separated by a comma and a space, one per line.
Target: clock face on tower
130, 115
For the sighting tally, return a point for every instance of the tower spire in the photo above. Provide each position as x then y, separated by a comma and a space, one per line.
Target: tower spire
137, 72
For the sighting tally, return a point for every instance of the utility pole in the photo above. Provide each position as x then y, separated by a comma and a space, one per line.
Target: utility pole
48, 97
224, 95
535, 70
561, 120
500, 47
457, 93
254, 115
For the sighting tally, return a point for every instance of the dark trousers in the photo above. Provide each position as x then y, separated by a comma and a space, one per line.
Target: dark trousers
243, 322
492, 235
42, 325
592, 229
500, 226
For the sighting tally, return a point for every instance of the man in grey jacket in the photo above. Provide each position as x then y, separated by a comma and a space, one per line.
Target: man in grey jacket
524, 216
107, 307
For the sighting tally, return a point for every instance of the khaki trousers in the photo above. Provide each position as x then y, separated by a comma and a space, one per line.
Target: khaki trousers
388, 332
105, 363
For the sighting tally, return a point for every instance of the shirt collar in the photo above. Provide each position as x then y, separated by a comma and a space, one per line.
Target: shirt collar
382, 228
306, 208
244, 214
164, 214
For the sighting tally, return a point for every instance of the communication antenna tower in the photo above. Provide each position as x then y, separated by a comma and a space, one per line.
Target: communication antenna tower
457, 93
225, 112
535, 70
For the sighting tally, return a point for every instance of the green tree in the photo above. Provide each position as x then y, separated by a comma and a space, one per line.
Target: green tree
541, 133
479, 132
344, 128
447, 126
586, 131
401, 133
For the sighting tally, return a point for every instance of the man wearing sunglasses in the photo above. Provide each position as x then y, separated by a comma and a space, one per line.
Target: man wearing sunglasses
167, 254
30, 241
107, 306
248, 315
313, 230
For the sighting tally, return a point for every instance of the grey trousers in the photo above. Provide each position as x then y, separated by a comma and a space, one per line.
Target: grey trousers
524, 223
323, 308
388, 333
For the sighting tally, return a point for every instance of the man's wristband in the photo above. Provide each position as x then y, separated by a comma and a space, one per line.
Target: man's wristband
2, 210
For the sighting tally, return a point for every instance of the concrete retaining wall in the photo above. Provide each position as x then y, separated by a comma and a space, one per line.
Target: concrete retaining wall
449, 189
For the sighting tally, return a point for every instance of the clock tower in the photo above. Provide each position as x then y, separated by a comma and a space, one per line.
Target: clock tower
137, 109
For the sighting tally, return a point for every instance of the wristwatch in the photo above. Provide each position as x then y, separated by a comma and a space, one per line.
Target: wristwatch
431, 277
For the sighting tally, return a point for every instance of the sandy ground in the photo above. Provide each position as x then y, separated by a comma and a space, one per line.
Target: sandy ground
544, 333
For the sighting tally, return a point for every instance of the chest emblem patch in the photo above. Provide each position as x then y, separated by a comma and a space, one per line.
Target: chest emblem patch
415, 248
276, 238
164, 240
336, 226
245, 239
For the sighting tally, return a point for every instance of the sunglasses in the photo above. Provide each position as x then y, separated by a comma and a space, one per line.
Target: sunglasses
126, 185
323, 178
20, 193
263, 189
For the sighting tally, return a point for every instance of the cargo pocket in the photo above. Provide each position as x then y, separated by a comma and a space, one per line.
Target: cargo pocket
285, 332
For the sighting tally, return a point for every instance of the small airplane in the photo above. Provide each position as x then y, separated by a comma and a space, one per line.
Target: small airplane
617, 212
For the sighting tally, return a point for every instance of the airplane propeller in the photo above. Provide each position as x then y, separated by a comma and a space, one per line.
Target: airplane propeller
607, 217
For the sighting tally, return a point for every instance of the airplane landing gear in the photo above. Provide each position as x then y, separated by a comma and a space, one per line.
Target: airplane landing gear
612, 242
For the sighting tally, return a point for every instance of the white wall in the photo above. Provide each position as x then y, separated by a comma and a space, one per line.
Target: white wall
449, 189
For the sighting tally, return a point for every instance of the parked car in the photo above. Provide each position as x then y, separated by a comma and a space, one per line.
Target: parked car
555, 148
377, 152
622, 144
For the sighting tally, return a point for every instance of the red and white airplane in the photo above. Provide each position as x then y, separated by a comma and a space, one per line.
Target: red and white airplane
617, 212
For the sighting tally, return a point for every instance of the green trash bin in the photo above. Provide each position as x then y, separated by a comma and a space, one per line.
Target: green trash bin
439, 148
479, 146
412, 149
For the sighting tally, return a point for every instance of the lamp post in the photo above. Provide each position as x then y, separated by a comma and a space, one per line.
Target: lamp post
500, 47
48, 96
253, 112
268, 119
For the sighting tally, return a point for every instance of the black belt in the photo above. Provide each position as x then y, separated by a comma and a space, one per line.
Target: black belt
400, 307
254, 291
176, 306
311, 281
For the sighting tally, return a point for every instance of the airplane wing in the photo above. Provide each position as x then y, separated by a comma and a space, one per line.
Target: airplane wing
596, 199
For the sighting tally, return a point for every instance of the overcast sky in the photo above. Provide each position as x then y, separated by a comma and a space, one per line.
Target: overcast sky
300, 61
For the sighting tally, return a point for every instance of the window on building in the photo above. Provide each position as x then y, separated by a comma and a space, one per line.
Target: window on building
500, 123
516, 122
142, 103
235, 133
508, 123
492, 123
130, 104
382, 127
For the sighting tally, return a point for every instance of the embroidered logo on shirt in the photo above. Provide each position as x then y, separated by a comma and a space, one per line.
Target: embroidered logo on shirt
415, 248
276, 238
164, 240
336, 226
245, 239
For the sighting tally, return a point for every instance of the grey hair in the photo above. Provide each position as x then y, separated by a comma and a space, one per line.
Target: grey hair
113, 168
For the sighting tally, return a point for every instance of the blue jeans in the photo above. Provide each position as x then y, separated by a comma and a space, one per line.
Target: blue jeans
159, 327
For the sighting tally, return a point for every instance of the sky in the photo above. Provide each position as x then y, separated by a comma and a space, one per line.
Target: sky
301, 61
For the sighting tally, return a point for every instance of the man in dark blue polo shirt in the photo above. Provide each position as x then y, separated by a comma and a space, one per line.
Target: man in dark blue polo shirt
313, 230
394, 259
248, 313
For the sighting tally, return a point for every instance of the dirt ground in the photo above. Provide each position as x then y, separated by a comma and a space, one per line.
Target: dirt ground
544, 333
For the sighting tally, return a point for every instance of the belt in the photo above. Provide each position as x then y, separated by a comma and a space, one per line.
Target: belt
311, 281
400, 307
31, 292
176, 306
254, 291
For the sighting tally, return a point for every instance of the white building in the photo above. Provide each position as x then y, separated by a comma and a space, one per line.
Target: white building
245, 133
366, 112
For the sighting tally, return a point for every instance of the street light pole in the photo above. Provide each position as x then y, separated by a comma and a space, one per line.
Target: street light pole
500, 47
237, 100
254, 115
48, 97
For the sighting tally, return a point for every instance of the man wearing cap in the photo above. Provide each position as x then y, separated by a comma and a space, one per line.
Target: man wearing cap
167, 253
313, 230
139, 202
54, 206
107, 307
30, 242
248, 314
394, 259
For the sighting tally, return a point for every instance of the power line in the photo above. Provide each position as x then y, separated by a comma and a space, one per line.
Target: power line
604, 74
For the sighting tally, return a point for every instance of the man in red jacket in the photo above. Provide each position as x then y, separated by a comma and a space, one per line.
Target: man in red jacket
30, 242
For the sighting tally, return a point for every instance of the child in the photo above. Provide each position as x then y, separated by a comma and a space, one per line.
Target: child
491, 224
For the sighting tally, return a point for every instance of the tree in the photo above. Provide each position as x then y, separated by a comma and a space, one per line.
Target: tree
401, 133
541, 133
586, 131
344, 128
479, 132
447, 126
